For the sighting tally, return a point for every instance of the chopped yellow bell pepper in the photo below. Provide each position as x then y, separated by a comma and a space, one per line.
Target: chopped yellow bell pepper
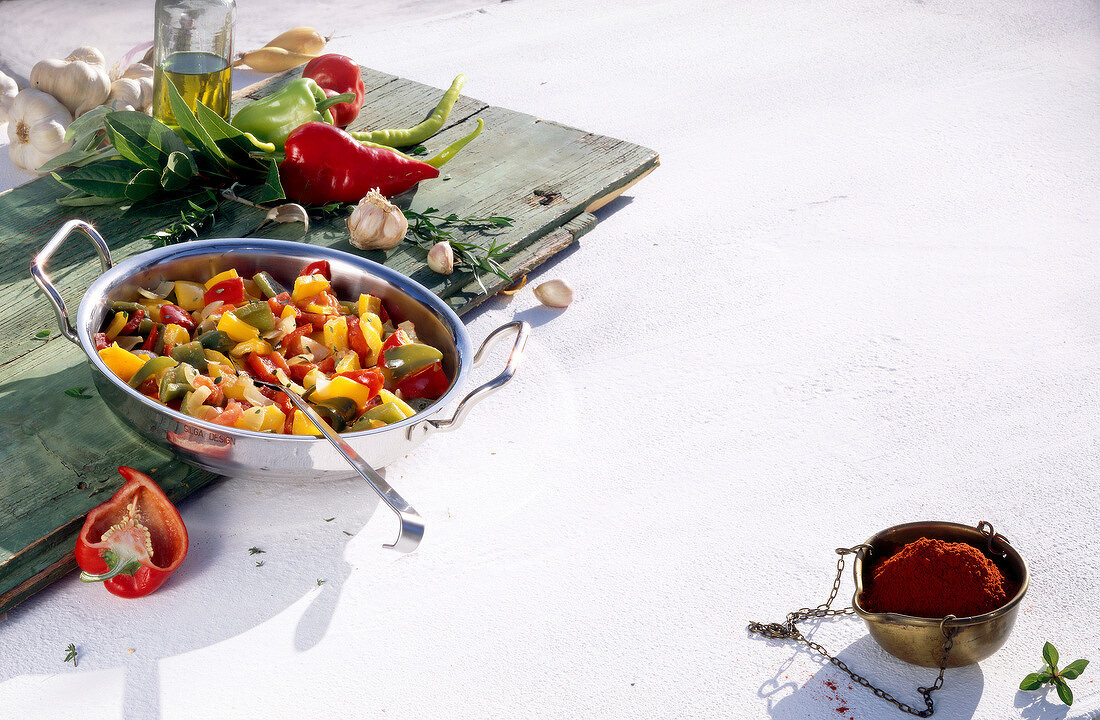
236, 328
121, 362
302, 425
251, 419
312, 377
216, 357
374, 341
335, 335
255, 345
189, 295
348, 362
387, 396
288, 311
117, 323
175, 335
320, 309
307, 286
372, 321
274, 419
369, 304
343, 387
227, 275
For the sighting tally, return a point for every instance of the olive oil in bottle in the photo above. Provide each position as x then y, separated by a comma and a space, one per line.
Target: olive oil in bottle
199, 77
193, 49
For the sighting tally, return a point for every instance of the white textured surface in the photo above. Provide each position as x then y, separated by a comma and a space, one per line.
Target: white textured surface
860, 290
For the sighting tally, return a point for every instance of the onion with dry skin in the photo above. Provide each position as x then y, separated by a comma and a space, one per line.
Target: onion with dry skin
290, 49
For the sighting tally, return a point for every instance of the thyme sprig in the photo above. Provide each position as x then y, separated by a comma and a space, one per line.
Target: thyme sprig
429, 227
192, 220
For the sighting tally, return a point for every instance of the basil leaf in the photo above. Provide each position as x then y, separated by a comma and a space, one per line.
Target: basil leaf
144, 184
178, 170
1050, 654
1064, 693
107, 179
142, 139
1075, 668
1034, 681
272, 188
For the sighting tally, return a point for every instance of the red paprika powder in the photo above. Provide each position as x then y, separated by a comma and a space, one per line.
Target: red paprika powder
932, 578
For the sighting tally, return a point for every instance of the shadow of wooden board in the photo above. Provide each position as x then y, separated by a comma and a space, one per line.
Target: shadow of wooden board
59, 452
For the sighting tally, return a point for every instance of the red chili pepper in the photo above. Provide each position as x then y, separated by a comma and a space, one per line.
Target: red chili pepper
135, 320
262, 368
431, 382
325, 164
337, 74
175, 314
151, 341
370, 377
319, 267
228, 291
134, 541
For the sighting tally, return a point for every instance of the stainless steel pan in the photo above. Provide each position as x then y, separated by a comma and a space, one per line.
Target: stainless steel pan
230, 451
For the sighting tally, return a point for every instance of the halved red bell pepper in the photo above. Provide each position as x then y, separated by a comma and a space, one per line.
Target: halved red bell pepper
229, 291
134, 541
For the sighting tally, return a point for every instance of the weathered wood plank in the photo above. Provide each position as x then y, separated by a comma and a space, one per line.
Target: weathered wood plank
58, 454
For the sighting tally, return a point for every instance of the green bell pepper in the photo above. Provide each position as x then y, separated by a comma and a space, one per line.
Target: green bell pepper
272, 118
258, 315
404, 360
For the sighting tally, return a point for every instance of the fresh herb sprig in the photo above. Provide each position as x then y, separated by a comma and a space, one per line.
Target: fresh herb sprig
1053, 676
78, 392
428, 228
70, 654
192, 220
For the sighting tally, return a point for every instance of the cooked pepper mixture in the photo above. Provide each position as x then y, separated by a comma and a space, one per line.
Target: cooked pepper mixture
196, 348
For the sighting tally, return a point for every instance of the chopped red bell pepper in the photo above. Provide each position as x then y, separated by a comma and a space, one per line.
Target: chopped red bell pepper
298, 371
101, 341
318, 267
292, 342
151, 341
175, 314
327, 365
338, 74
134, 541
229, 291
325, 164
262, 367
431, 382
135, 320
357, 340
399, 337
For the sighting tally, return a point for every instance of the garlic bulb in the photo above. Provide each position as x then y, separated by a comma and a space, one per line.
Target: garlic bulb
80, 81
376, 223
126, 94
36, 128
554, 293
441, 258
8, 91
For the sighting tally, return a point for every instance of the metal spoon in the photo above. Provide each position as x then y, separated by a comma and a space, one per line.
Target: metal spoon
411, 525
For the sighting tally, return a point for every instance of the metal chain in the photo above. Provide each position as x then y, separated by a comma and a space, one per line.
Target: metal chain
790, 631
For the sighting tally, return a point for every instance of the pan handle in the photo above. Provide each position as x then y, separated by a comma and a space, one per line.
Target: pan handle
522, 330
38, 270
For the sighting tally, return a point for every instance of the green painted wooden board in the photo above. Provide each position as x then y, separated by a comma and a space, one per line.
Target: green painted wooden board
58, 453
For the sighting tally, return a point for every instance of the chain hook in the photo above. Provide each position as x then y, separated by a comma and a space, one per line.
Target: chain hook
986, 528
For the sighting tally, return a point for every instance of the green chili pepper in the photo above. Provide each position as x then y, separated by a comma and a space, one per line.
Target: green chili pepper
268, 285
418, 133
258, 315
272, 118
405, 360
191, 353
451, 150
150, 369
122, 306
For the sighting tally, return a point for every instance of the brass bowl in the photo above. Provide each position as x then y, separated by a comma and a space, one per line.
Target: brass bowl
920, 640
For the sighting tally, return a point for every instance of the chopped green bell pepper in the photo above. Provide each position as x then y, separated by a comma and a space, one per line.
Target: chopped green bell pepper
268, 285
217, 340
192, 354
258, 315
404, 360
151, 368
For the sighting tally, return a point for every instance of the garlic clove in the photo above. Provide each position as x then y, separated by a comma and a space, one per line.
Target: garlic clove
441, 258
376, 223
554, 293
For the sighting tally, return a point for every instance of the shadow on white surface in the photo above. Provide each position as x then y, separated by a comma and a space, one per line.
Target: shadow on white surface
830, 693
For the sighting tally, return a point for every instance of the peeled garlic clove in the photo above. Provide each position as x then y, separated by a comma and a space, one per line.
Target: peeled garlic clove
554, 293
376, 223
441, 258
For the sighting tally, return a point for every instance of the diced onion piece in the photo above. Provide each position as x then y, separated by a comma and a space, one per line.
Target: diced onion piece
409, 329
211, 309
288, 383
160, 293
316, 349
253, 395
194, 400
